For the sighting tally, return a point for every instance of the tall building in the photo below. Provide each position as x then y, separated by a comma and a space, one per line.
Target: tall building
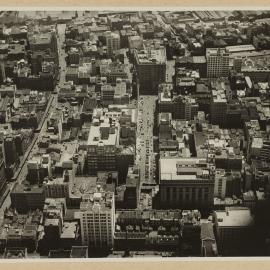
151, 69
43, 41
53, 218
58, 187
74, 56
233, 229
218, 107
102, 147
217, 62
181, 107
24, 198
131, 195
2, 70
97, 218
9, 149
186, 183
112, 42
237, 64
220, 184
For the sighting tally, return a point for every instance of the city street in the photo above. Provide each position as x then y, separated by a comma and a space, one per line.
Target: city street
22, 170
144, 144
61, 28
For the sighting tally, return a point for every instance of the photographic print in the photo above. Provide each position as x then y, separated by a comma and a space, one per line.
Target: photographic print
141, 133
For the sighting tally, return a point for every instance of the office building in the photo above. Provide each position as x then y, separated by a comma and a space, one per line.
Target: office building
58, 187
186, 183
218, 107
217, 62
24, 198
233, 230
112, 42
150, 65
9, 151
220, 184
181, 107
131, 195
237, 64
97, 218
102, 147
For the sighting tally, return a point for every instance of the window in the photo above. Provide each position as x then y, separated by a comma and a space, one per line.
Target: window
174, 193
168, 192
199, 193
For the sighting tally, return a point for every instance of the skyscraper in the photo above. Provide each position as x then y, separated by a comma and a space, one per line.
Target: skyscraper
237, 64
9, 150
218, 107
112, 42
151, 69
217, 62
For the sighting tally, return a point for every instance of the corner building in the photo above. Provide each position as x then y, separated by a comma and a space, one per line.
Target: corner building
186, 183
150, 65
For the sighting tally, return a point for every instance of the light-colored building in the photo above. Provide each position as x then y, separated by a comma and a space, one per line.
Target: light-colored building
240, 48
220, 184
102, 145
135, 42
97, 218
58, 187
186, 182
112, 42
256, 146
217, 62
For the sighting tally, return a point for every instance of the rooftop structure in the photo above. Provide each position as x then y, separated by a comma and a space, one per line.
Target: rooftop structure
173, 169
151, 56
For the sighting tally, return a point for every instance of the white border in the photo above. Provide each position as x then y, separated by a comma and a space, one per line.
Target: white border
134, 8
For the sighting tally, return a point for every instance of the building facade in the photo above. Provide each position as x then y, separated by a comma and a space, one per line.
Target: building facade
112, 42
233, 229
97, 219
186, 183
151, 69
217, 62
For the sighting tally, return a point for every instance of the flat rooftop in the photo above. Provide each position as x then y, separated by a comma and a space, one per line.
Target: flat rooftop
240, 48
20, 188
69, 230
216, 51
97, 201
82, 185
151, 56
103, 134
183, 169
44, 38
235, 217
219, 96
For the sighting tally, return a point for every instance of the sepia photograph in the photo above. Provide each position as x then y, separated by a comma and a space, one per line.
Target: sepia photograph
134, 133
